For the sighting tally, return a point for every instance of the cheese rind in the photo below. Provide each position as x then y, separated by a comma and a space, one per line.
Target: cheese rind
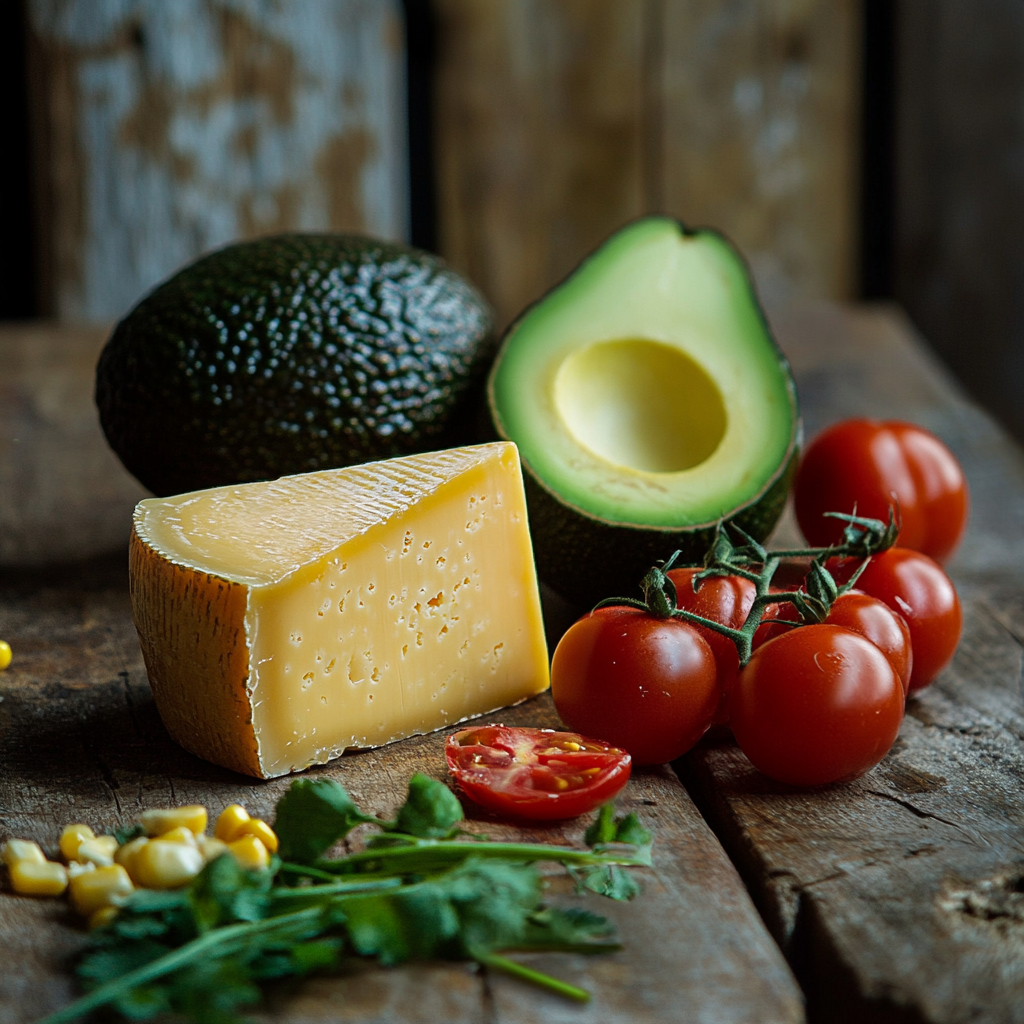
284, 622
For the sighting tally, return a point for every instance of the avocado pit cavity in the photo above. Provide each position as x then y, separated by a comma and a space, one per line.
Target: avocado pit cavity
642, 405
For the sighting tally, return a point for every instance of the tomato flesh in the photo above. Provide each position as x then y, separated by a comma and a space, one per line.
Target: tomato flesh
873, 465
536, 774
647, 685
818, 705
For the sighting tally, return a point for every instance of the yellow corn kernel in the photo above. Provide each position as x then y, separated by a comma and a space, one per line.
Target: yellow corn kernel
79, 867
166, 865
177, 835
210, 848
102, 887
125, 856
31, 878
162, 819
71, 838
230, 822
262, 831
5, 654
98, 918
15, 850
99, 851
249, 852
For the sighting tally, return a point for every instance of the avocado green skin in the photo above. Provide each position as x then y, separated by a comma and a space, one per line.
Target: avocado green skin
586, 559
293, 353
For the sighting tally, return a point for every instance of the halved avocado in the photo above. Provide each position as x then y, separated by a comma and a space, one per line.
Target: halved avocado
649, 401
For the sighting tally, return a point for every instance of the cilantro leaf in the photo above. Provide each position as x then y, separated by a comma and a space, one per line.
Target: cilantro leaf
603, 828
609, 829
224, 892
312, 816
606, 880
431, 810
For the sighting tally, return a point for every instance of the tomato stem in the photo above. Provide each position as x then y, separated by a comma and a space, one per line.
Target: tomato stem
862, 538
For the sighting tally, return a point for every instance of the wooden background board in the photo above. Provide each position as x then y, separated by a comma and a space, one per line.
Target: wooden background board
162, 130
897, 898
557, 122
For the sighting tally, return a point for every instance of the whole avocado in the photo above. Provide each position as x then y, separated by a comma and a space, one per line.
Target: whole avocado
293, 353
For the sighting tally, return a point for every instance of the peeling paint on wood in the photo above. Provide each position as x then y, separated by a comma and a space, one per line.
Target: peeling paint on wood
167, 129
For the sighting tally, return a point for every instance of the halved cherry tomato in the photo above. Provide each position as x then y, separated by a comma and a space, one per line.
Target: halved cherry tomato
725, 599
818, 705
916, 586
537, 774
647, 685
873, 465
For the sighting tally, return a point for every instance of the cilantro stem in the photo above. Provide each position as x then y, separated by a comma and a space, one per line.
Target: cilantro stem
171, 962
563, 988
431, 854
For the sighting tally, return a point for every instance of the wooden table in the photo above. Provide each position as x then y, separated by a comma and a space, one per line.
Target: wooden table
899, 897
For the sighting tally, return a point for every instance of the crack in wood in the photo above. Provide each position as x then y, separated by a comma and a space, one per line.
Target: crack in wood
921, 813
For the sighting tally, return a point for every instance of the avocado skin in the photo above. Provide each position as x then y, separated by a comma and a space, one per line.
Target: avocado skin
586, 560
293, 353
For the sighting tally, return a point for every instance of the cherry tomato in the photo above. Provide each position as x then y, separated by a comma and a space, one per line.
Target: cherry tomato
538, 774
645, 684
873, 465
818, 705
725, 599
884, 627
916, 587
774, 619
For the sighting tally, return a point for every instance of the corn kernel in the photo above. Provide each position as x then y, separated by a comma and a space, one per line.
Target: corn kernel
177, 835
210, 848
262, 831
71, 838
31, 878
79, 867
98, 918
230, 822
99, 851
166, 865
249, 852
102, 887
22, 849
5, 654
162, 819
125, 856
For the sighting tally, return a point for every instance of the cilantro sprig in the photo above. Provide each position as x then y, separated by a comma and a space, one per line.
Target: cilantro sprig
421, 889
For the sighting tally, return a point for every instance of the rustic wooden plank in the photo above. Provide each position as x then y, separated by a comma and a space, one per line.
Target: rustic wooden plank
63, 493
759, 118
163, 130
897, 897
557, 122
80, 740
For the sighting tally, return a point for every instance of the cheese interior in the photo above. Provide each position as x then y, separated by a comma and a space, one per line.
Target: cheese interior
382, 600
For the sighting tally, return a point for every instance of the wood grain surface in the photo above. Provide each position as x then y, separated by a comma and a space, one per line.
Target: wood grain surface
80, 740
899, 897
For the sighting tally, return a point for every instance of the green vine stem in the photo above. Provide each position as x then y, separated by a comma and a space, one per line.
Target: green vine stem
862, 538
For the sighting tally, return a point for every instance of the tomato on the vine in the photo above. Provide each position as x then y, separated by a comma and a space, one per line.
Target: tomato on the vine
537, 774
882, 625
820, 704
645, 684
724, 599
872, 465
916, 586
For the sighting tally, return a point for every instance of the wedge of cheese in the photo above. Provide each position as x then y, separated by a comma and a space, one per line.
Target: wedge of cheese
284, 622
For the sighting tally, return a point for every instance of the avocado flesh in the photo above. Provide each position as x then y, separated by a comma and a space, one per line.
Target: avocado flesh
645, 392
